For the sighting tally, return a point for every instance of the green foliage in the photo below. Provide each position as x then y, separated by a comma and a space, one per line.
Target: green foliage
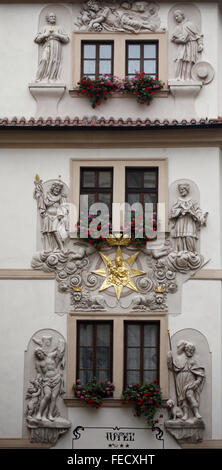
94, 392
146, 399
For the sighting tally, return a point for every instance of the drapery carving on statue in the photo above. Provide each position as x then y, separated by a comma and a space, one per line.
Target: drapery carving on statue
186, 220
189, 382
132, 17
51, 197
51, 38
44, 389
189, 42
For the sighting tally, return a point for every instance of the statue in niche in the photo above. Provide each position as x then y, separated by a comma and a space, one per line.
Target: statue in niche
190, 45
125, 16
189, 381
187, 219
53, 213
43, 411
52, 37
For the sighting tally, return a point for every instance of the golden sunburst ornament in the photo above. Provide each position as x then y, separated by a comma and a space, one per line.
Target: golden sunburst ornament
118, 272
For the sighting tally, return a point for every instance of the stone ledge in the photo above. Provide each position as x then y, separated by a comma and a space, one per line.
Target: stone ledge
160, 94
20, 443
208, 444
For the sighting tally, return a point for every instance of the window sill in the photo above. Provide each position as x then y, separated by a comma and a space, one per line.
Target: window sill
107, 403
160, 94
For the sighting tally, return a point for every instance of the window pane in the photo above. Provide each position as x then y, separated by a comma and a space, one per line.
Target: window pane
150, 66
88, 179
103, 335
89, 51
105, 198
85, 376
102, 358
104, 179
86, 335
102, 375
86, 358
105, 66
150, 335
150, 358
150, 179
134, 51
89, 67
149, 51
105, 51
133, 66
133, 358
150, 198
133, 335
133, 376
133, 198
91, 201
134, 179
150, 376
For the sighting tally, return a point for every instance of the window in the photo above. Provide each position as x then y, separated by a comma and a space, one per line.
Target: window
142, 185
142, 57
141, 352
97, 184
97, 59
94, 350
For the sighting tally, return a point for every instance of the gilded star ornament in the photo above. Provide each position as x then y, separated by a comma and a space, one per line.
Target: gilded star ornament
118, 272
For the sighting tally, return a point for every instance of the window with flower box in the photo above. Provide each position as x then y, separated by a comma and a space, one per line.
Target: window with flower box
94, 350
96, 58
98, 53
142, 57
141, 355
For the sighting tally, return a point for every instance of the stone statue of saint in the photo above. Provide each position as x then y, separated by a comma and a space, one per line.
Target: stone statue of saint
52, 37
189, 380
53, 214
187, 218
190, 44
48, 365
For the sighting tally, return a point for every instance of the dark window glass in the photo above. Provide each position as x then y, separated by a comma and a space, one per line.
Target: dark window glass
97, 59
97, 183
141, 352
142, 57
142, 186
94, 351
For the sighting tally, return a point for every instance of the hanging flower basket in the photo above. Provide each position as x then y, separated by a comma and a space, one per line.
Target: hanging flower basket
94, 392
146, 399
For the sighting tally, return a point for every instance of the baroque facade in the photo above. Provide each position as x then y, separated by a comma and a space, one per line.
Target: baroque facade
142, 305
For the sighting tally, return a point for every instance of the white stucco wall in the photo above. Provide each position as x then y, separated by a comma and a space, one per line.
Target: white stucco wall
27, 306
18, 208
19, 58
